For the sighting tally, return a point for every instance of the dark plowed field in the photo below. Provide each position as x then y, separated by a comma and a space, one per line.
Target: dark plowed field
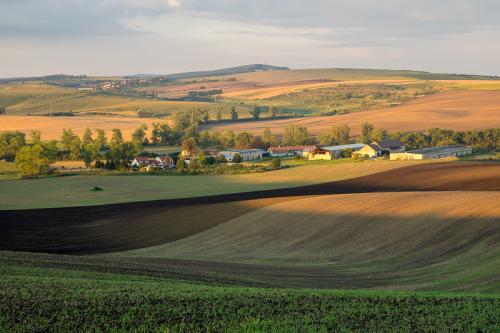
118, 227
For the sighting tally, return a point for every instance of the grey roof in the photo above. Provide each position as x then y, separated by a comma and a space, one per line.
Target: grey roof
375, 147
389, 143
342, 147
237, 151
442, 149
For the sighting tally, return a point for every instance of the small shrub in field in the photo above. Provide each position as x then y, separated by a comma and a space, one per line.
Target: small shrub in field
276, 163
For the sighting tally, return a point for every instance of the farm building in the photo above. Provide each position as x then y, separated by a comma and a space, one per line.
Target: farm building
337, 150
319, 154
390, 145
368, 151
286, 151
161, 162
246, 154
434, 152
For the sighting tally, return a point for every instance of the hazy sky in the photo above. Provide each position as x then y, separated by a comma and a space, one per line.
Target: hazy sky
106, 37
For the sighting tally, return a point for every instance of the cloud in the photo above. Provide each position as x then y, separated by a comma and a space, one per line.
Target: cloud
173, 35
173, 3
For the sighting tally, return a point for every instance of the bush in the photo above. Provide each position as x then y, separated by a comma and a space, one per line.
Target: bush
237, 158
31, 161
276, 163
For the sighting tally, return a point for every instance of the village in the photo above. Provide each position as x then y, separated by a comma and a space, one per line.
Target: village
391, 149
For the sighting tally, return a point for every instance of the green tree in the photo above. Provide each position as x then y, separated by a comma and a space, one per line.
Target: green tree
50, 150
193, 167
116, 146
228, 139
36, 137
274, 111
101, 139
341, 134
236, 158
190, 146
243, 140
67, 138
347, 153
31, 161
3, 110
219, 115
179, 165
255, 112
296, 135
139, 135
162, 133
380, 134
205, 139
202, 158
10, 143
268, 138
75, 149
276, 163
234, 114
87, 137
87, 154
366, 133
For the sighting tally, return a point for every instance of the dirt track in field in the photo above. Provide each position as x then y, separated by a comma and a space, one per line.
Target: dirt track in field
119, 227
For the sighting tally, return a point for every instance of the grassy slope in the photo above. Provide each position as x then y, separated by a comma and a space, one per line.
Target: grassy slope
45, 299
41, 99
432, 240
75, 190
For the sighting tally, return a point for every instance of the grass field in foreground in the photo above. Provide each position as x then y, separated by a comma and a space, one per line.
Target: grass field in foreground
75, 190
48, 299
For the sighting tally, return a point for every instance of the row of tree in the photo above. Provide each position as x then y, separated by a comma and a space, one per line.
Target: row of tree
35, 157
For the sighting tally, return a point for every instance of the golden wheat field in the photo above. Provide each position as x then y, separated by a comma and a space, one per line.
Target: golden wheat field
51, 127
458, 110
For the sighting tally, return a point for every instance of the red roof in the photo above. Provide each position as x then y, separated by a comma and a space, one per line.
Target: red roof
290, 148
166, 159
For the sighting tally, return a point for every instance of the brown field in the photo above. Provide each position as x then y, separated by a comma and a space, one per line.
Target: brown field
273, 90
425, 226
262, 85
51, 127
459, 110
117, 227
323, 228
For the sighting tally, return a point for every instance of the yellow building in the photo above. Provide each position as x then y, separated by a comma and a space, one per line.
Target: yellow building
368, 151
433, 152
319, 154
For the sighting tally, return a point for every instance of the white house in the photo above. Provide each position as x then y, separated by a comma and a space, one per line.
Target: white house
285, 151
246, 154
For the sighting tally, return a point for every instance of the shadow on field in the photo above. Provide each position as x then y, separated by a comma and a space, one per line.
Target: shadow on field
119, 227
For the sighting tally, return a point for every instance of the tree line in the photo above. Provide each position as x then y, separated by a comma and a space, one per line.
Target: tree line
94, 148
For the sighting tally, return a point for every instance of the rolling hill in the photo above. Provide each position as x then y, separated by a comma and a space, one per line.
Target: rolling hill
458, 110
423, 227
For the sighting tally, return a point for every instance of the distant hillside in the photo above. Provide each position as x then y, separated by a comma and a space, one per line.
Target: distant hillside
227, 71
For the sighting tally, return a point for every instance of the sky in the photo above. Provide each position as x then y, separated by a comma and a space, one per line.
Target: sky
120, 37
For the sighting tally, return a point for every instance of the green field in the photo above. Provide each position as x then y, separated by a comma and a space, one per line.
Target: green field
53, 296
387, 259
44, 99
75, 190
